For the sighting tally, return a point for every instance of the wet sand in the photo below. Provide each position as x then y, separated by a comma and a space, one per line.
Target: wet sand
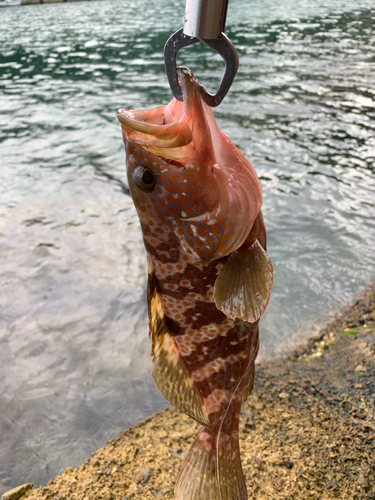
306, 432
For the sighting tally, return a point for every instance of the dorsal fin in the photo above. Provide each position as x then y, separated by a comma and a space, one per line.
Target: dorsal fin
171, 374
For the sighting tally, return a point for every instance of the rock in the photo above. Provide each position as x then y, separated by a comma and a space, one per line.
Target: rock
143, 475
288, 464
68, 470
332, 484
360, 369
362, 480
176, 436
17, 492
284, 395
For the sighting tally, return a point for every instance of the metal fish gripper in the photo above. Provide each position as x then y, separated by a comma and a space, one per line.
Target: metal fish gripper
204, 21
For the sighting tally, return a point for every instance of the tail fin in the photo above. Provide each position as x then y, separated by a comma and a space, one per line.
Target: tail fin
212, 469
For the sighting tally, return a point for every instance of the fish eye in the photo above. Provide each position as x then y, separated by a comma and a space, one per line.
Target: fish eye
144, 179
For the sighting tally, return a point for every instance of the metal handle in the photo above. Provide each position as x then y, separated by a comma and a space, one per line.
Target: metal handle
205, 19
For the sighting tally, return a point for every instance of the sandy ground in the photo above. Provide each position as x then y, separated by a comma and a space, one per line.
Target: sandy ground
307, 431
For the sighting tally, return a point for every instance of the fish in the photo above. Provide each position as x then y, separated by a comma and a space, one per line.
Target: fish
209, 277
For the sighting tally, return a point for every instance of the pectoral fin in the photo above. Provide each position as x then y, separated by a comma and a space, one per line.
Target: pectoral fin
243, 287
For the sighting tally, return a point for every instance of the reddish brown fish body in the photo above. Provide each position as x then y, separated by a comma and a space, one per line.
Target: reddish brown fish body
199, 203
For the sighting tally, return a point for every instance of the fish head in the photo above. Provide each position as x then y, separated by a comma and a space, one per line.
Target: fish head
191, 186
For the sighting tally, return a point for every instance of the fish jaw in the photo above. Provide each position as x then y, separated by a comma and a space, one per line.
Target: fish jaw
205, 189
148, 128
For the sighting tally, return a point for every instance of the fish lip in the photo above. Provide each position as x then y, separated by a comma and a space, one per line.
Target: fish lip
137, 119
148, 128
176, 132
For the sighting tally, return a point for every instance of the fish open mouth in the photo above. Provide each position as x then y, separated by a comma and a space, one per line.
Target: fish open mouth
151, 129
176, 130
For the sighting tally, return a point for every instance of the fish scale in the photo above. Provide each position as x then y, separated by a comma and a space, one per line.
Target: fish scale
198, 201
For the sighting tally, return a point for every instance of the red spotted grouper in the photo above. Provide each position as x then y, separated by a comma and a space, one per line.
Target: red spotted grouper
199, 200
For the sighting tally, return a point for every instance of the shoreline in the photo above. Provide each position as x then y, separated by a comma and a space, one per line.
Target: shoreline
306, 432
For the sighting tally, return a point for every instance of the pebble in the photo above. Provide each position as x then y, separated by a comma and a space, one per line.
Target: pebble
143, 475
17, 492
68, 470
317, 354
284, 395
176, 436
362, 480
332, 484
360, 368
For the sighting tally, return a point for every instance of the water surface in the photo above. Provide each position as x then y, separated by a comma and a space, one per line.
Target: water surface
75, 365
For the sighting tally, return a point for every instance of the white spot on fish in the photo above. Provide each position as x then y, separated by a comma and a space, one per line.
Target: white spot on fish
183, 214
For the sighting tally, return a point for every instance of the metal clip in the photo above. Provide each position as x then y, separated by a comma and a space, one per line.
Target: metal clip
204, 21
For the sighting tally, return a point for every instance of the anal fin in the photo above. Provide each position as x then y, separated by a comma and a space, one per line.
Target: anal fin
171, 374
243, 287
